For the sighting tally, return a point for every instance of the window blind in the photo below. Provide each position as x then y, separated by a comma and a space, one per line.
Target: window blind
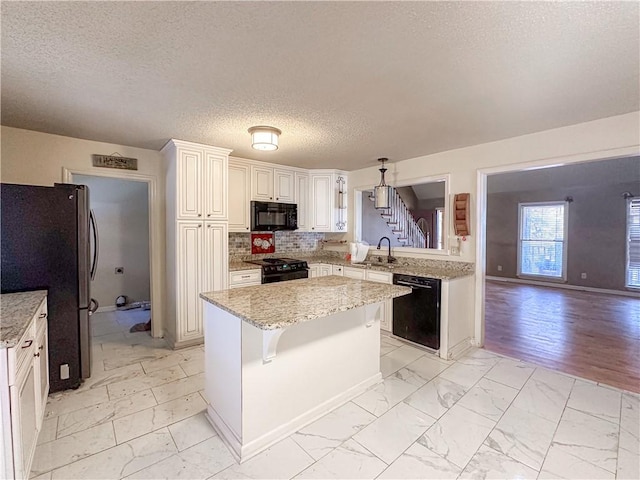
542, 239
633, 243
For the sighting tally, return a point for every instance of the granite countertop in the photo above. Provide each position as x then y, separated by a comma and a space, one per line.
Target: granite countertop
283, 304
16, 311
442, 269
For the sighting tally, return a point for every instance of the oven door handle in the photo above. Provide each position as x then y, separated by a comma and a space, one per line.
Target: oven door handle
413, 285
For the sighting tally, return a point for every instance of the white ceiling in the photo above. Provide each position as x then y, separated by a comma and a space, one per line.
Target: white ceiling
346, 82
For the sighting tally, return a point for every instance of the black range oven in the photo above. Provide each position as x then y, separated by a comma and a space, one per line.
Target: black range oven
281, 269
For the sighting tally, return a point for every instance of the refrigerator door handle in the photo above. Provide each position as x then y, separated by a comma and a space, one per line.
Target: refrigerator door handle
96, 244
93, 306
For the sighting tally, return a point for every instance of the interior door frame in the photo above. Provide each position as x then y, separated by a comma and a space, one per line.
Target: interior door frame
155, 257
481, 214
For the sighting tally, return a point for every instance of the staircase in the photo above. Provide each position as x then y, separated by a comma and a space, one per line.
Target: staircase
402, 223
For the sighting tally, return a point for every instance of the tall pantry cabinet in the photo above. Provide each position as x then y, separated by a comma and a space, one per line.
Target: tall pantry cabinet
197, 234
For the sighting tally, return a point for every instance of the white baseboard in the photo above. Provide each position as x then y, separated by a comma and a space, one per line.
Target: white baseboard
244, 452
459, 349
565, 286
107, 308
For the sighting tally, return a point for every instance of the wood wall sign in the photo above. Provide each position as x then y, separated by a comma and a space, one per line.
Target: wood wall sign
461, 214
113, 161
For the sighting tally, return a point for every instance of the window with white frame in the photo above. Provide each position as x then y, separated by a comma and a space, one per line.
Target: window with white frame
542, 240
633, 243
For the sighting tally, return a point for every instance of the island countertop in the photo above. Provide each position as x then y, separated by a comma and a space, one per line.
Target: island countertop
283, 304
17, 310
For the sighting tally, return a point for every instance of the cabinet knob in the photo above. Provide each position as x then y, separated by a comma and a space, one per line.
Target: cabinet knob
40, 347
199, 226
270, 198
277, 198
42, 315
36, 354
247, 228
199, 214
208, 214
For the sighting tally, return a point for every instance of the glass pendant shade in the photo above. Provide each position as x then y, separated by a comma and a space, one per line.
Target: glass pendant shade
264, 138
382, 193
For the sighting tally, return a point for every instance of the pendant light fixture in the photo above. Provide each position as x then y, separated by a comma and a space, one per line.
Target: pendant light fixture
264, 138
382, 192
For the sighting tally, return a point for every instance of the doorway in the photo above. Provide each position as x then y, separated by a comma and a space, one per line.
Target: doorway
126, 210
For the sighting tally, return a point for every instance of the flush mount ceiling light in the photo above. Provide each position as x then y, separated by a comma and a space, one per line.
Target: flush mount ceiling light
382, 192
264, 138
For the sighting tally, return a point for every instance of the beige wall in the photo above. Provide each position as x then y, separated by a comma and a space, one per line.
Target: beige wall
36, 158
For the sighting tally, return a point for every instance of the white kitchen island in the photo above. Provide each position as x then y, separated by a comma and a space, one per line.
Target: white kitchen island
280, 355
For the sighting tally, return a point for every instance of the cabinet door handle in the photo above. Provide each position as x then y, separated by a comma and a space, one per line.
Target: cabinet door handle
40, 347
36, 354
42, 315
27, 344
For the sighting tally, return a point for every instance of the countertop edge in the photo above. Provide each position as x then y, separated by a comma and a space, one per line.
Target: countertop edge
11, 340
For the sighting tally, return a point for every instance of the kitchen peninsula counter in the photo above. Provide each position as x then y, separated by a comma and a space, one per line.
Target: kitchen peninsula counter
17, 311
280, 305
280, 355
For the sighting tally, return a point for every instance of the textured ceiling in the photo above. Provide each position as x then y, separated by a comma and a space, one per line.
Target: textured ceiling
346, 82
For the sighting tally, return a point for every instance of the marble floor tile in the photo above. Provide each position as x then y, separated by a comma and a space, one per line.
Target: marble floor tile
48, 431
107, 377
171, 360
479, 358
523, 436
436, 397
386, 348
420, 463
133, 354
467, 374
457, 435
99, 328
389, 340
488, 398
595, 400
88, 417
589, 438
492, 465
191, 431
68, 401
193, 362
384, 395
331, 430
122, 460
399, 358
52, 455
198, 462
510, 372
482, 354
545, 395
145, 382
422, 370
157, 417
629, 443
559, 463
178, 388
391, 434
283, 460
349, 460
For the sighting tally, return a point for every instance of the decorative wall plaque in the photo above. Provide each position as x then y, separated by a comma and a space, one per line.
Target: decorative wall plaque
461, 214
112, 161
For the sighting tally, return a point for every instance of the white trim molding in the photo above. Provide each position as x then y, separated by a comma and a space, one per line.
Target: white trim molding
564, 285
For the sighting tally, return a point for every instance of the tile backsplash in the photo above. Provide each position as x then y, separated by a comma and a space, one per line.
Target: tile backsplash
240, 243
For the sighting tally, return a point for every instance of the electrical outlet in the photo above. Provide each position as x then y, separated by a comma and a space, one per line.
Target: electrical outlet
64, 371
119, 270
583, 275
499, 268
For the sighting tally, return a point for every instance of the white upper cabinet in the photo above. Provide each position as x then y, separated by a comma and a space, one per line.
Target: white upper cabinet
272, 184
239, 196
302, 199
328, 201
200, 180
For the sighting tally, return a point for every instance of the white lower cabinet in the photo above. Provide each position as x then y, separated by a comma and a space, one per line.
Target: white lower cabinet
338, 270
386, 322
23, 395
320, 270
245, 278
354, 272
200, 248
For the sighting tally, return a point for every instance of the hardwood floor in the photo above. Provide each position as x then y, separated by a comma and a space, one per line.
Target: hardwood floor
596, 336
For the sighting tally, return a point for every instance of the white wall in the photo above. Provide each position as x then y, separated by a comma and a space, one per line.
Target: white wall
613, 136
121, 208
36, 158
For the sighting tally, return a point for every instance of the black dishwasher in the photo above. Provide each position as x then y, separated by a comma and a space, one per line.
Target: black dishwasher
416, 317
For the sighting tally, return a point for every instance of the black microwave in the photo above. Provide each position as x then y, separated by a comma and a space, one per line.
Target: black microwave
271, 216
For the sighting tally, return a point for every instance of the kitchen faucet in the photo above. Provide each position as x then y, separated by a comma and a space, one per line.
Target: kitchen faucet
390, 259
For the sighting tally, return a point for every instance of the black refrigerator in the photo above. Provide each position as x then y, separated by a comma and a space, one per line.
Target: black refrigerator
48, 240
